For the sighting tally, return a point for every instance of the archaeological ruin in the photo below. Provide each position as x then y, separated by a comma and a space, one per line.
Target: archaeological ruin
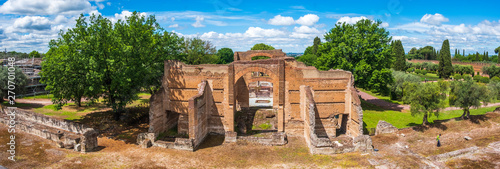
261, 101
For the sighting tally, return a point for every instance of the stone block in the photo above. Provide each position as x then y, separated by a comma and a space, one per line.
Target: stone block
385, 127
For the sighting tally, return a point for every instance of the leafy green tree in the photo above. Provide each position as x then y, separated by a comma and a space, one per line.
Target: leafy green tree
35, 54
113, 61
308, 50
497, 50
445, 66
467, 94
316, 43
425, 98
20, 81
199, 51
226, 55
308, 59
399, 54
262, 46
368, 54
492, 70
400, 80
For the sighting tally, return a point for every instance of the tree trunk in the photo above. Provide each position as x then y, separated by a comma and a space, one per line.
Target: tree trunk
463, 115
78, 102
424, 122
116, 112
468, 114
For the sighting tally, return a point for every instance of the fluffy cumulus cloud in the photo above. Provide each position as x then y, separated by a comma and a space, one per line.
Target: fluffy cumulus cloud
123, 15
281, 20
31, 23
305, 32
435, 19
198, 23
45, 7
308, 20
351, 20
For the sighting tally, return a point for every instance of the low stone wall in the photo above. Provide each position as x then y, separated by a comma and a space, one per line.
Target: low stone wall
65, 133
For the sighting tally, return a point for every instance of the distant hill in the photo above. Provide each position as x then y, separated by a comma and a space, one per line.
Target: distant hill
294, 54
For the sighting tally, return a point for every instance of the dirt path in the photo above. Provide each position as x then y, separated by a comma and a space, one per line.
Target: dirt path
398, 107
382, 103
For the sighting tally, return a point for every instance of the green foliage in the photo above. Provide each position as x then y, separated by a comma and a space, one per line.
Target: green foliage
426, 53
399, 54
477, 78
457, 77
400, 79
308, 59
484, 80
409, 70
495, 79
35, 54
445, 67
497, 50
262, 46
20, 81
418, 71
226, 55
467, 93
308, 50
424, 72
260, 57
494, 87
425, 98
367, 54
492, 70
316, 43
115, 61
199, 51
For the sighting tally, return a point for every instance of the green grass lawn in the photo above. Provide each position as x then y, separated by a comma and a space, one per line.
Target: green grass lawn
428, 76
372, 114
43, 96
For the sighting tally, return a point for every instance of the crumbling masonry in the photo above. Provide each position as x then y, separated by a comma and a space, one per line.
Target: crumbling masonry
322, 106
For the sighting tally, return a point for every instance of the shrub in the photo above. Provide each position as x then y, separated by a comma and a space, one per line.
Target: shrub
417, 71
457, 76
477, 78
409, 70
424, 72
495, 79
485, 80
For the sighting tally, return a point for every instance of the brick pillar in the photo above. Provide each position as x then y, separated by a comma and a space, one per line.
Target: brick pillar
229, 114
281, 88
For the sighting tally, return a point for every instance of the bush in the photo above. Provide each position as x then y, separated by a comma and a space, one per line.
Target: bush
485, 80
477, 78
409, 70
424, 72
495, 79
457, 76
417, 71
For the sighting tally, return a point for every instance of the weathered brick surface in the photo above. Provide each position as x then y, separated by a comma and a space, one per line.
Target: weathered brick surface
332, 93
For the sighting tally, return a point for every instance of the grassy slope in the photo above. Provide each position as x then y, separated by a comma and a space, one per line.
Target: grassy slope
372, 114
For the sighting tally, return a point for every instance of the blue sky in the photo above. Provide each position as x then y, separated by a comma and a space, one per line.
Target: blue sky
27, 25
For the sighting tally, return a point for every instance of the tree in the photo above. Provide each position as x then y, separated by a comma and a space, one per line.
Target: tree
20, 81
477, 56
365, 54
308, 50
485, 57
466, 94
199, 51
497, 50
308, 59
445, 66
316, 43
400, 80
262, 46
425, 98
226, 55
34, 54
112, 61
399, 54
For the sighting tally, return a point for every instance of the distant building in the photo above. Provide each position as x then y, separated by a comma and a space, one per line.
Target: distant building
31, 68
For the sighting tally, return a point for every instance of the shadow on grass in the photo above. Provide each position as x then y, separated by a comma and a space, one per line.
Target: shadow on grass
212, 141
476, 119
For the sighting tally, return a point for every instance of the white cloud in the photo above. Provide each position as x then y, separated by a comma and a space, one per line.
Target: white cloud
35, 23
174, 26
45, 7
308, 20
123, 15
350, 20
435, 19
305, 32
384, 24
60, 19
259, 32
108, 3
281, 20
297, 7
198, 23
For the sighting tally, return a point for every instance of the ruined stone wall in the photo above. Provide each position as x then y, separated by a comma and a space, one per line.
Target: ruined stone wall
330, 95
180, 83
200, 107
65, 133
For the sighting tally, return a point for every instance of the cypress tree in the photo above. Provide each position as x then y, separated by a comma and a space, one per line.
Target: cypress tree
477, 56
445, 66
464, 52
316, 43
399, 54
456, 53
485, 57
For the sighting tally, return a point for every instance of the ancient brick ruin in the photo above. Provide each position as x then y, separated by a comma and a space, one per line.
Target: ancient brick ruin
197, 100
